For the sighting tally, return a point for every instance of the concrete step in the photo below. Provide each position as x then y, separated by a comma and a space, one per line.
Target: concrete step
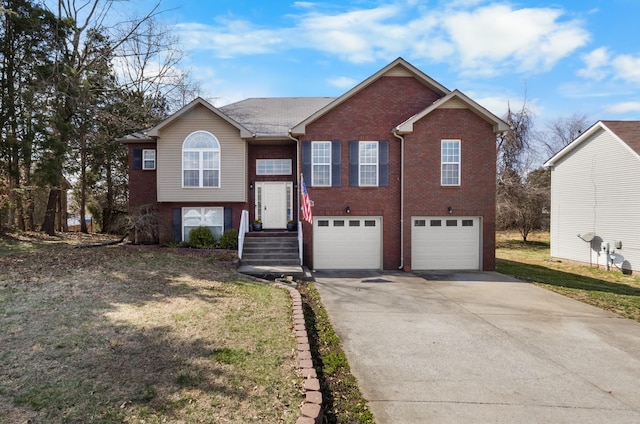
270, 262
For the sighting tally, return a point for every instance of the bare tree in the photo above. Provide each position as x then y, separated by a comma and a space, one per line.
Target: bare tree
562, 132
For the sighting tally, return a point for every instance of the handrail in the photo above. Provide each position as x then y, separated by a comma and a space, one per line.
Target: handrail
244, 229
300, 241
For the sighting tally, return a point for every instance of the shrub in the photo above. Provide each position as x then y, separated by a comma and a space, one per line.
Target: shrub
229, 239
201, 238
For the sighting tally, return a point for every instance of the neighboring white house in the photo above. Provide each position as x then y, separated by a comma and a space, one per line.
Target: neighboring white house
595, 197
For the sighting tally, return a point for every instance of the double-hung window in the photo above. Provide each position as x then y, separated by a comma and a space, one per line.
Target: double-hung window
368, 163
321, 163
207, 217
450, 164
148, 159
201, 160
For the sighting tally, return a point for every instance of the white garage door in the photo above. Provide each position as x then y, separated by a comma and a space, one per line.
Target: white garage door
445, 242
347, 242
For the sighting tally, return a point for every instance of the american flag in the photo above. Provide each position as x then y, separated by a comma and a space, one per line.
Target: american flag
306, 203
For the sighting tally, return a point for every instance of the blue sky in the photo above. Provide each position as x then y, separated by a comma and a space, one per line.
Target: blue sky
567, 57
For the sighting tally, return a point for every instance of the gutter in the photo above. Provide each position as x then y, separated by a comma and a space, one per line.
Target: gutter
397, 135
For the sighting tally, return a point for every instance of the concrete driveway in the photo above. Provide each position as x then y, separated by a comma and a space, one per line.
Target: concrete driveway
480, 347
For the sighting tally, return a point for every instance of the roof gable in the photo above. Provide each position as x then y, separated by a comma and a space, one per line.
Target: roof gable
625, 132
397, 68
454, 99
153, 132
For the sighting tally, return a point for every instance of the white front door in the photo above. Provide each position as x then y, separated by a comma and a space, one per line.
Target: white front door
273, 204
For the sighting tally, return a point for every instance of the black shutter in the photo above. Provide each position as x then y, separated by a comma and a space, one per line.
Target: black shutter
137, 158
306, 162
228, 218
336, 159
177, 224
383, 166
353, 163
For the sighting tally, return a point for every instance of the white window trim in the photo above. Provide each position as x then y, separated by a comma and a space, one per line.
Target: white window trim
201, 168
314, 164
361, 164
202, 213
442, 163
145, 160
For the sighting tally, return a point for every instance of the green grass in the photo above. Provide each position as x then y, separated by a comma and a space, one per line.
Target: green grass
607, 289
140, 335
343, 402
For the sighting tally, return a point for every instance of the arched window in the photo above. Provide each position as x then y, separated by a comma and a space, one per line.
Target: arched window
201, 160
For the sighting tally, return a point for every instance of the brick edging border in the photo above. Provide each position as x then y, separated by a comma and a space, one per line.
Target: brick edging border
311, 410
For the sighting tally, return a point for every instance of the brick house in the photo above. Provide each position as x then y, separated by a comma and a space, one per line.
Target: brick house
400, 171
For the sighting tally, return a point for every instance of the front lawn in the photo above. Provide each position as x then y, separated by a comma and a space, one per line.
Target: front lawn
531, 261
140, 335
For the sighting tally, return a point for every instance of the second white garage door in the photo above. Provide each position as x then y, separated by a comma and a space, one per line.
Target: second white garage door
347, 242
445, 243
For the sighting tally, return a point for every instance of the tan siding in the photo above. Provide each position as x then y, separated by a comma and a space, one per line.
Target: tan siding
233, 154
596, 189
454, 104
398, 71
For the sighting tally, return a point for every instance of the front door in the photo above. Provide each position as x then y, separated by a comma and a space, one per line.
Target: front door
273, 200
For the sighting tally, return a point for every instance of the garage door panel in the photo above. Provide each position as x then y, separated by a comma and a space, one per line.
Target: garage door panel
445, 243
347, 243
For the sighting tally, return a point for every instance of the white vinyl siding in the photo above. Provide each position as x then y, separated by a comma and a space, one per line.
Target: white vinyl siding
368, 163
321, 163
450, 165
233, 164
596, 188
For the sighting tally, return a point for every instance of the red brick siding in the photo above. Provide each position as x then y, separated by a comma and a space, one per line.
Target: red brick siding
369, 115
424, 196
142, 183
273, 151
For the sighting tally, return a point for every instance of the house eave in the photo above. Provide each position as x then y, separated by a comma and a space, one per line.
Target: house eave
499, 126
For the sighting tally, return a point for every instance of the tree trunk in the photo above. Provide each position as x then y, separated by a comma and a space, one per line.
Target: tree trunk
49, 223
83, 184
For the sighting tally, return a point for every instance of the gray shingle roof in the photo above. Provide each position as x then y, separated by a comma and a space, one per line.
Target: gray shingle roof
274, 117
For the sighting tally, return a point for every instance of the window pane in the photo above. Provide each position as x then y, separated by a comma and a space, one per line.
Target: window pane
321, 153
273, 167
191, 179
419, 223
191, 160
450, 174
369, 152
368, 175
369, 223
210, 179
467, 222
435, 223
323, 223
354, 223
321, 175
452, 222
208, 160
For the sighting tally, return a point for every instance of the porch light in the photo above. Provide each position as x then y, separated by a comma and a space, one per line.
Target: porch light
450, 210
348, 210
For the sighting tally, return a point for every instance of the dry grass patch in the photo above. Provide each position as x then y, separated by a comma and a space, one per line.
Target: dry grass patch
119, 334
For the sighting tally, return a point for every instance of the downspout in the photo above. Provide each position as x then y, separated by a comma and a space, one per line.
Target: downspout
395, 133
297, 170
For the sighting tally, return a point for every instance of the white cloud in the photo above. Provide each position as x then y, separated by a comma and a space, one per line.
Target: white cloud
627, 68
490, 38
597, 63
478, 40
601, 64
342, 82
624, 107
